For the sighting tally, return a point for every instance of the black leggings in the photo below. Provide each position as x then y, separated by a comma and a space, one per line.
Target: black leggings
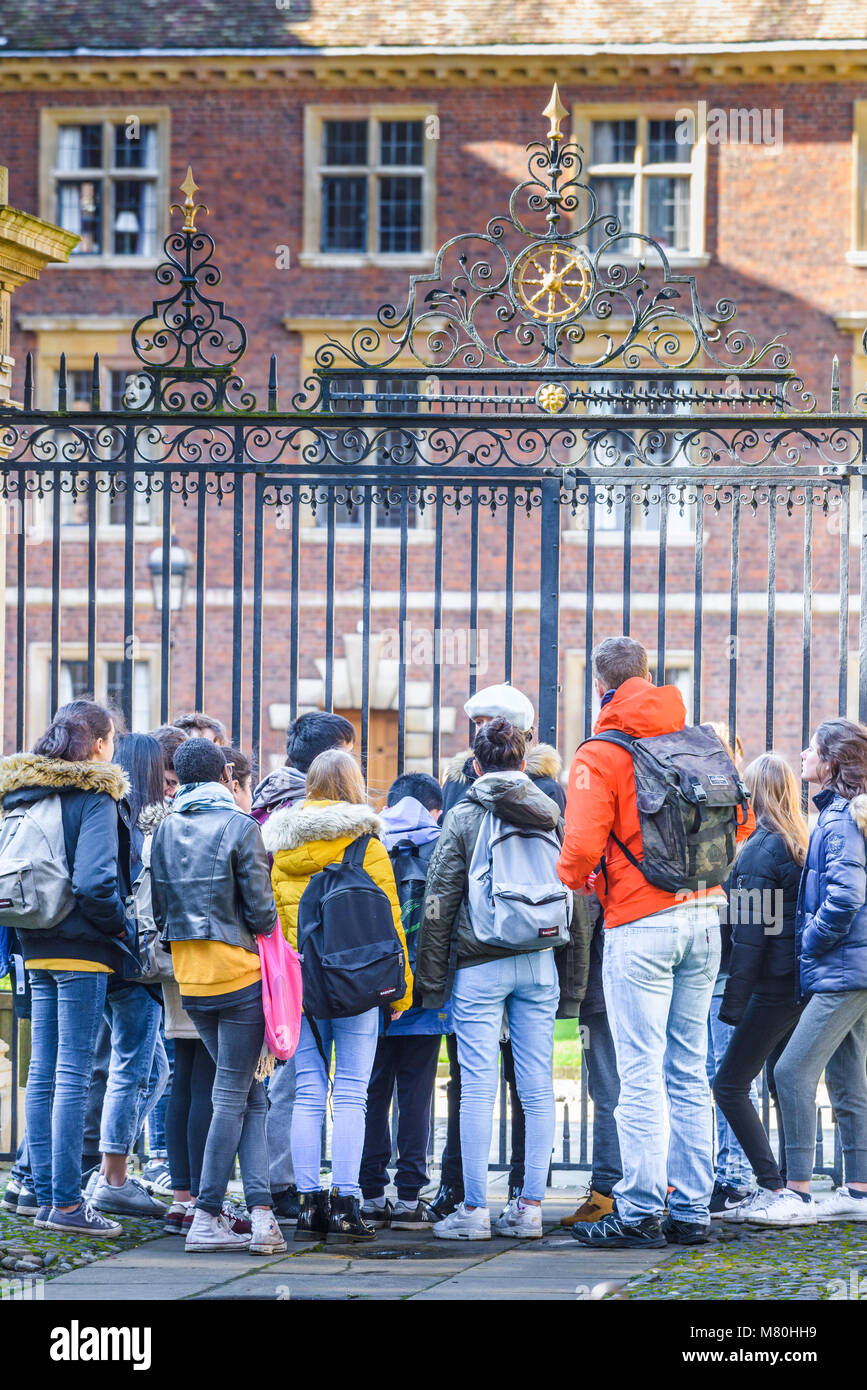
760, 1036
188, 1116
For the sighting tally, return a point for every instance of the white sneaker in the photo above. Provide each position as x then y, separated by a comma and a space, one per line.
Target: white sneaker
465, 1225
841, 1206
519, 1221
740, 1211
212, 1233
784, 1208
267, 1238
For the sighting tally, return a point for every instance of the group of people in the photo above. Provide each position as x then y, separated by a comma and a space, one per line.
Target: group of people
179, 866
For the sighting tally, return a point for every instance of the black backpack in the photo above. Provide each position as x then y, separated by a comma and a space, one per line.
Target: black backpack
689, 796
352, 959
410, 863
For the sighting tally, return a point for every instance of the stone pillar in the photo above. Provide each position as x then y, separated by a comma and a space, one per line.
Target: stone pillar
27, 246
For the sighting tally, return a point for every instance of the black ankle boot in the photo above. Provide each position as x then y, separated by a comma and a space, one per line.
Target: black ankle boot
313, 1219
347, 1224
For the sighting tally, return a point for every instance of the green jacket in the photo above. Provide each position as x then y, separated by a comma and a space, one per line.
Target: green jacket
446, 938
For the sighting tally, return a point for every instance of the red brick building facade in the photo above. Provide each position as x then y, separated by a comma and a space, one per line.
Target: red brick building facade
774, 221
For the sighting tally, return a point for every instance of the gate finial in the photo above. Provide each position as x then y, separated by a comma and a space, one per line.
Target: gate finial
555, 111
190, 207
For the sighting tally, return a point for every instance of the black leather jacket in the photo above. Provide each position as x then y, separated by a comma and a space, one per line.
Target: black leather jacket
210, 878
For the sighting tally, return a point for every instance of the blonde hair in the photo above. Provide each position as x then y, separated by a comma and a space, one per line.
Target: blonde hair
776, 800
335, 776
722, 732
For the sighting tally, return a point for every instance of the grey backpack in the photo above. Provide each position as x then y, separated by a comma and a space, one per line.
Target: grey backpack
515, 898
35, 883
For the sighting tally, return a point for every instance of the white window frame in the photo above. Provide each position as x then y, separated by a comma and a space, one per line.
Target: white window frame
573, 687
314, 120
696, 255
39, 673
858, 253
51, 118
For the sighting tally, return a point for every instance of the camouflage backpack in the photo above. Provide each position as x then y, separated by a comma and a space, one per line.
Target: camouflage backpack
689, 796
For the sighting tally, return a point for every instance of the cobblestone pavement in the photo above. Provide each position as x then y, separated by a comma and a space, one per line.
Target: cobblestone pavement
823, 1262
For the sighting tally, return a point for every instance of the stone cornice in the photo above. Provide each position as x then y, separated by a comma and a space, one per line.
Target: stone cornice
842, 61
28, 245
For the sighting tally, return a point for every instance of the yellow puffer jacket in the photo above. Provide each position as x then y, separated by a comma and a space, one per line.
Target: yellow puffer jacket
305, 838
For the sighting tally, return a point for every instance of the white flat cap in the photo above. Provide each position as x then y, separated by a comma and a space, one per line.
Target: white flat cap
502, 700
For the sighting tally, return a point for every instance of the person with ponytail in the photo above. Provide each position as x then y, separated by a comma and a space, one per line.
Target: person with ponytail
70, 964
761, 990
831, 1033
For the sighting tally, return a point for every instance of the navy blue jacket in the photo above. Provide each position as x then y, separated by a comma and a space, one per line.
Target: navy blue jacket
97, 841
762, 897
832, 903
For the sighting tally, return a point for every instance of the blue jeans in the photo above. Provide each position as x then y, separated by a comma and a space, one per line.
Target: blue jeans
354, 1043
527, 986
658, 975
234, 1035
603, 1083
732, 1164
67, 1011
157, 1118
134, 1016
281, 1103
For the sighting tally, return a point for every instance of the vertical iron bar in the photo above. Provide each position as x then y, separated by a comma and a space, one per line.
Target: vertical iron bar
862, 596
843, 686
661, 585
474, 590
367, 524
404, 655
699, 599
771, 637
238, 588
510, 584
807, 636
589, 589
201, 575
92, 576
258, 600
293, 603
627, 559
438, 619
21, 620
549, 611
54, 670
166, 601
734, 595
129, 635
329, 596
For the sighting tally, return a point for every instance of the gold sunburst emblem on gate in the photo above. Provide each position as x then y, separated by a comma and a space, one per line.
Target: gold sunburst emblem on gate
553, 281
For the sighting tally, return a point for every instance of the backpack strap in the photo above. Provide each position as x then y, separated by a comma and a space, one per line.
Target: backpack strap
354, 853
625, 741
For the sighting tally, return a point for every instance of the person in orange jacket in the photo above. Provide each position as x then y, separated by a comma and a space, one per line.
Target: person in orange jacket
659, 966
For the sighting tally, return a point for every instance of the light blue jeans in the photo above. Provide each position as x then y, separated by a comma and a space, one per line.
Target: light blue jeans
67, 1012
732, 1164
528, 987
354, 1042
658, 975
134, 1016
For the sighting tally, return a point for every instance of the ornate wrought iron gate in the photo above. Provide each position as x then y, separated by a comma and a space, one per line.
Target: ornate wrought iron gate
552, 440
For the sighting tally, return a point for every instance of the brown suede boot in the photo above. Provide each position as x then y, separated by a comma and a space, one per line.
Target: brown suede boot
594, 1207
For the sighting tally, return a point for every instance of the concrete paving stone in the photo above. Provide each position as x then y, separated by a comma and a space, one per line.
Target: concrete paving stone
311, 1287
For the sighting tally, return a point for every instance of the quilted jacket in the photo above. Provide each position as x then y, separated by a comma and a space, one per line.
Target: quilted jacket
831, 924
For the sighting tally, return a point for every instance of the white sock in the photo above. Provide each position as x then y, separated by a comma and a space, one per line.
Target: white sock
377, 1202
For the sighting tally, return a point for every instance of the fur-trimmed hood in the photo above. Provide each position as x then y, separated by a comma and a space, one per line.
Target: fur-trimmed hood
318, 820
543, 760
858, 812
25, 770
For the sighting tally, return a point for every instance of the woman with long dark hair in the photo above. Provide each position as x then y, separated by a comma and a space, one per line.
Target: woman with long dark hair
133, 1012
70, 963
831, 1036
